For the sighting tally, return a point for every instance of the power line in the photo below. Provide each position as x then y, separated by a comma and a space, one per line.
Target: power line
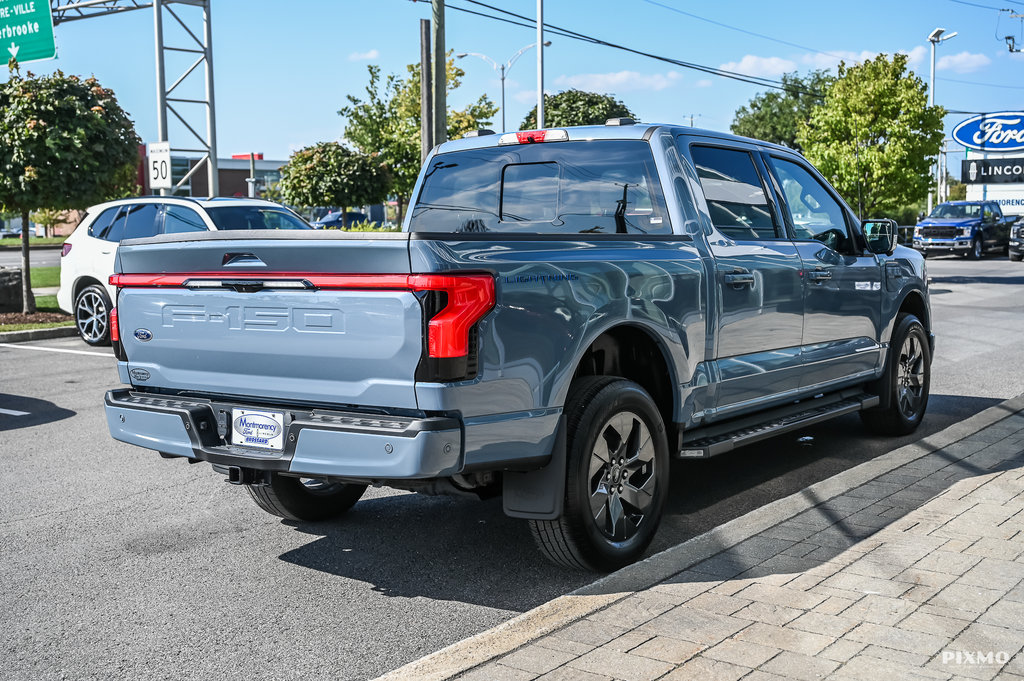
528, 22
975, 4
740, 30
974, 82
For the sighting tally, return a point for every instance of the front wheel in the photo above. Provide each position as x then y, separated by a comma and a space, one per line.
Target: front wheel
904, 386
306, 499
977, 250
616, 479
1016, 257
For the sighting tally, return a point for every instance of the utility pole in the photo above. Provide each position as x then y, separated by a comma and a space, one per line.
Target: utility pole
540, 64
251, 180
161, 80
426, 100
440, 74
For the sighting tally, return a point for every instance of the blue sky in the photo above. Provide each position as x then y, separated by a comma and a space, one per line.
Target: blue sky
282, 69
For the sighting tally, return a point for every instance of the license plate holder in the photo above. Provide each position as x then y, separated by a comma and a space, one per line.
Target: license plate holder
257, 428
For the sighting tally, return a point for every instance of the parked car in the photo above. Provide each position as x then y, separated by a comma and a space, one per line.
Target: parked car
87, 257
969, 228
337, 220
1016, 247
564, 312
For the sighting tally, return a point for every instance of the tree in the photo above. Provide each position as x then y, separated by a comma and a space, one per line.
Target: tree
776, 116
576, 107
388, 122
328, 174
874, 135
49, 218
64, 143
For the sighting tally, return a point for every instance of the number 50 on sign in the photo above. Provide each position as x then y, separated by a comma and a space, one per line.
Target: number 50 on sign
159, 165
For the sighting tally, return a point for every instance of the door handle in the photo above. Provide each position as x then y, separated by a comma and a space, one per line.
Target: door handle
739, 278
819, 275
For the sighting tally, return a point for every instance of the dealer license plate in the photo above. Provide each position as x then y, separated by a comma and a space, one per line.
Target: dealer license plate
263, 429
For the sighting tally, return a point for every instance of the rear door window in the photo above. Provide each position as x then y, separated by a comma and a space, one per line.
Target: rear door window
142, 221
115, 232
179, 219
595, 187
735, 195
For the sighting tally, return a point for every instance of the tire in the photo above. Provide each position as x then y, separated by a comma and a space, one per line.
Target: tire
604, 525
1016, 257
905, 385
92, 315
305, 498
977, 250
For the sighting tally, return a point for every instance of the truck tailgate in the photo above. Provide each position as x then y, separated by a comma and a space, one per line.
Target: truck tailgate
312, 319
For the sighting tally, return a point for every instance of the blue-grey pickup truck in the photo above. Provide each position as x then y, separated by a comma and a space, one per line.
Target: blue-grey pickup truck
563, 313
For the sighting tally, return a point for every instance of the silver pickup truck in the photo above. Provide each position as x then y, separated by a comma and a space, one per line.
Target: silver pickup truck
564, 311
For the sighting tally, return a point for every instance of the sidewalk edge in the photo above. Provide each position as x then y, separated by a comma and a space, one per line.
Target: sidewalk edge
508, 636
38, 334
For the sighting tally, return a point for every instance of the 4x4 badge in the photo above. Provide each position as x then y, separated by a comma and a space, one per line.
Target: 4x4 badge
143, 334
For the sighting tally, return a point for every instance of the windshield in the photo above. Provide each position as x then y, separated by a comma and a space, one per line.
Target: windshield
951, 210
255, 217
593, 187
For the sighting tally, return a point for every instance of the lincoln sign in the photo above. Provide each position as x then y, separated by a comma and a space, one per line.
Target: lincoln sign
1001, 131
993, 171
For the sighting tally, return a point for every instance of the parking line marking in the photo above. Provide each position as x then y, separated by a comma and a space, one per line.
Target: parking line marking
22, 346
12, 412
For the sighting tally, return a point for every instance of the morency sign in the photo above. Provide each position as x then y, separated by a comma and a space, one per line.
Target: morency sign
1000, 131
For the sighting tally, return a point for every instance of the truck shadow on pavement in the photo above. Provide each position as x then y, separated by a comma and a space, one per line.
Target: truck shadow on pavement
28, 411
460, 549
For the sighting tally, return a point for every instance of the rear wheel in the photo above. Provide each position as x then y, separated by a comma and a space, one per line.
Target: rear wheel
92, 315
906, 382
1016, 257
616, 478
305, 498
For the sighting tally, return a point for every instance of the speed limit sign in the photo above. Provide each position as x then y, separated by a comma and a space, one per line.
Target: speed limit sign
159, 165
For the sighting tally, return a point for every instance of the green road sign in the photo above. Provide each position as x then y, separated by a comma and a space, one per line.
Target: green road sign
26, 30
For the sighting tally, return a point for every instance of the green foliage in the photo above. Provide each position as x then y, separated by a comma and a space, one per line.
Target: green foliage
957, 191
272, 192
776, 116
64, 143
328, 174
576, 107
874, 135
367, 227
387, 122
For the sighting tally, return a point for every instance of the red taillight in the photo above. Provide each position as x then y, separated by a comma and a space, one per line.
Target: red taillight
470, 297
115, 333
65, 249
528, 136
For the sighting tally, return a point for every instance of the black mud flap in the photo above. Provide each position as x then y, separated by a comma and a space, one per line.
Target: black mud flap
539, 494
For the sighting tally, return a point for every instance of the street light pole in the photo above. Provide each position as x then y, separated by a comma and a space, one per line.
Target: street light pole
502, 70
935, 37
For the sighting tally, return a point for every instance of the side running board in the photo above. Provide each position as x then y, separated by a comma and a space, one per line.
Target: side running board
720, 438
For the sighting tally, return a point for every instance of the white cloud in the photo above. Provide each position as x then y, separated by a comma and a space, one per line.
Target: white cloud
364, 56
831, 60
916, 56
619, 81
766, 67
526, 96
704, 82
963, 62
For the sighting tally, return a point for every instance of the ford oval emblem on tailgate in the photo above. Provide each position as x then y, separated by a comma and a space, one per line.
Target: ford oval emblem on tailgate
143, 334
139, 374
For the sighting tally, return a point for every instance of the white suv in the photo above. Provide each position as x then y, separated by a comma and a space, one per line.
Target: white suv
87, 259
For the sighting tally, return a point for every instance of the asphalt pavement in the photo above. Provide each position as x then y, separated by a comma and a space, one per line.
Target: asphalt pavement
38, 257
117, 563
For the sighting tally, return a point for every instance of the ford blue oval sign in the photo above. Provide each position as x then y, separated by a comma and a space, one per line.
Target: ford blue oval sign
1000, 131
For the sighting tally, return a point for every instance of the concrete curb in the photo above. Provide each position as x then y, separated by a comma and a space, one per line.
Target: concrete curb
38, 334
564, 610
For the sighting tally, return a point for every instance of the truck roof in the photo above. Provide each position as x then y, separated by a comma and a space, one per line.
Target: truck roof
619, 131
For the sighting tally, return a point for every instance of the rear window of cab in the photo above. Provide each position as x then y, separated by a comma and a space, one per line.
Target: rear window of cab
592, 187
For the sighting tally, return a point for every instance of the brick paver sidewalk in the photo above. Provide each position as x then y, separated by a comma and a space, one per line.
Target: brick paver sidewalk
916, 574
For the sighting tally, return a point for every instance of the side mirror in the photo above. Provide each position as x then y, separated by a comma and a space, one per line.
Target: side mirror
880, 235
